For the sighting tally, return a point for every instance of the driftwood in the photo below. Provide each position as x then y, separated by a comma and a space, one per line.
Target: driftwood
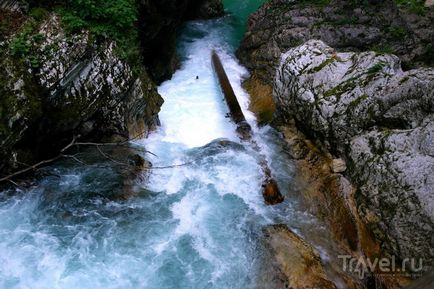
41, 163
74, 143
270, 190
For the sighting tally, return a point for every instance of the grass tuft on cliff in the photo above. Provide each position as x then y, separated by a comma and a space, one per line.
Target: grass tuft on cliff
415, 6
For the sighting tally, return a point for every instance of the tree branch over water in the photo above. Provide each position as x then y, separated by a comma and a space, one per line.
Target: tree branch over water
73, 143
41, 163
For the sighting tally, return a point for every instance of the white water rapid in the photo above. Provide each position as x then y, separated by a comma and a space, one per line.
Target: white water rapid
198, 225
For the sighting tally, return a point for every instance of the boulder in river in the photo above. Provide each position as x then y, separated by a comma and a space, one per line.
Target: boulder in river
271, 192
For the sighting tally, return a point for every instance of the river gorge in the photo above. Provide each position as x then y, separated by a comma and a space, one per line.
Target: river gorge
179, 204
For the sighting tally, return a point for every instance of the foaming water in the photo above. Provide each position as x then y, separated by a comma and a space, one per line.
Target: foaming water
196, 225
220, 211
193, 113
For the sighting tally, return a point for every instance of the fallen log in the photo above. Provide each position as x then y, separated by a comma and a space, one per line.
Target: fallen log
270, 190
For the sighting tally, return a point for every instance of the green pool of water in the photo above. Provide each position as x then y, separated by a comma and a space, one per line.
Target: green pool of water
240, 11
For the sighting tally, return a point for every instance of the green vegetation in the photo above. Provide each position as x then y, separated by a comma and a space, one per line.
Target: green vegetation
342, 88
397, 31
353, 104
374, 69
382, 49
24, 45
415, 6
428, 56
346, 21
323, 64
114, 19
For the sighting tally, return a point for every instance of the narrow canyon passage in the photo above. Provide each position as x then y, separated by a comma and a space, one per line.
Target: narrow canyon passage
197, 225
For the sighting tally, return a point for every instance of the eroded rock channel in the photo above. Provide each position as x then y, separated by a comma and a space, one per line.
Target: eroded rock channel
163, 184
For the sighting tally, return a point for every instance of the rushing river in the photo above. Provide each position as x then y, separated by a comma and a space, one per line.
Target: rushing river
198, 225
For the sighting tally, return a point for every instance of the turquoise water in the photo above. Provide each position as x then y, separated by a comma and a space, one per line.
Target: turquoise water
240, 11
194, 226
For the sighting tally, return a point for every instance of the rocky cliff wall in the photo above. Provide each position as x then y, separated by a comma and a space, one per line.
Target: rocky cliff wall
365, 108
344, 25
361, 91
55, 84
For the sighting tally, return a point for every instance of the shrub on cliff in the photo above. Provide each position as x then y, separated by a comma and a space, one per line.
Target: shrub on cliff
114, 19
110, 17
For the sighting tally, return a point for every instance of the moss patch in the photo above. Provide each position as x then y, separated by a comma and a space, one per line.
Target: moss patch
353, 104
342, 88
415, 6
324, 64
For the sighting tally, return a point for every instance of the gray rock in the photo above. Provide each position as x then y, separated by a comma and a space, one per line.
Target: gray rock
81, 88
14, 5
380, 119
338, 166
345, 25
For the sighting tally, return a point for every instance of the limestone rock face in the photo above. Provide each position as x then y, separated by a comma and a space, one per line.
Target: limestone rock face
14, 5
81, 87
380, 119
345, 25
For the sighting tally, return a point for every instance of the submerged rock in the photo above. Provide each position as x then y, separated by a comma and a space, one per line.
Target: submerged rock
271, 192
216, 147
380, 119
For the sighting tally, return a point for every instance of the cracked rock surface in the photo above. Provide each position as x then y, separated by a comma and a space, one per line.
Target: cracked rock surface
380, 119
